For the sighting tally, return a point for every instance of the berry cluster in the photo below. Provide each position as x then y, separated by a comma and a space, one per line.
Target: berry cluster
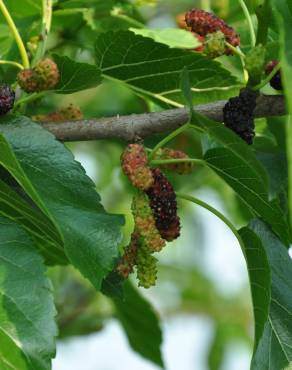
145, 240
238, 115
179, 168
276, 81
154, 210
135, 166
69, 113
7, 97
44, 76
204, 23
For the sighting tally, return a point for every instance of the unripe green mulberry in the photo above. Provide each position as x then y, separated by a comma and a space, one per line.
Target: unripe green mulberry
145, 224
179, 168
135, 165
214, 44
146, 267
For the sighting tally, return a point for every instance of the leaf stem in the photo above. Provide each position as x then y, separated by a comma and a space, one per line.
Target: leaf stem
158, 162
216, 213
168, 138
235, 50
10, 62
268, 78
249, 21
29, 98
47, 7
14, 30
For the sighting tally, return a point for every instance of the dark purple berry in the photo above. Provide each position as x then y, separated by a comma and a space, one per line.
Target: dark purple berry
238, 115
7, 97
164, 207
275, 81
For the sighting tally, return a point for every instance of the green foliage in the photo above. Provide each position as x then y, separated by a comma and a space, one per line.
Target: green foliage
274, 349
47, 179
140, 323
75, 76
233, 160
27, 326
171, 37
111, 62
153, 70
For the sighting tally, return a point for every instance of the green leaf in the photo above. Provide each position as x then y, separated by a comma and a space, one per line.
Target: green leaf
41, 229
24, 8
233, 160
58, 185
27, 327
140, 323
153, 70
259, 277
172, 37
283, 13
75, 76
274, 350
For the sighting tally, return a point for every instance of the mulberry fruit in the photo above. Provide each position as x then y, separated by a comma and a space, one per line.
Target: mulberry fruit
146, 268
7, 97
238, 115
145, 224
164, 207
275, 81
203, 23
127, 262
214, 45
27, 81
44, 76
135, 166
179, 168
69, 113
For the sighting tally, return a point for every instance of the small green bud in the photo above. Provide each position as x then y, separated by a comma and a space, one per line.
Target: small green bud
214, 44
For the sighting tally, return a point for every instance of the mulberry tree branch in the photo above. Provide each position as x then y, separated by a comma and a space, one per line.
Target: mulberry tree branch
139, 126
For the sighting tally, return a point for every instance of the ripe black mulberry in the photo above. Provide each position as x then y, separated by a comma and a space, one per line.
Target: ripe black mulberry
238, 115
276, 81
164, 206
7, 97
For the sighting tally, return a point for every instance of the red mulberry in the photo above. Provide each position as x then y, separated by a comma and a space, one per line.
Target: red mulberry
127, 262
7, 97
163, 204
202, 23
135, 166
276, 81
179, 168
238, 115
69, 113
44, 76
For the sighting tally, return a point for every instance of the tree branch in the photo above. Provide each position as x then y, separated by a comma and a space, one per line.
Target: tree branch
139, 126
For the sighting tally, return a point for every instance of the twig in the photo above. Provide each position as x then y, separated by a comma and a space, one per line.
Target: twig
139, 126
